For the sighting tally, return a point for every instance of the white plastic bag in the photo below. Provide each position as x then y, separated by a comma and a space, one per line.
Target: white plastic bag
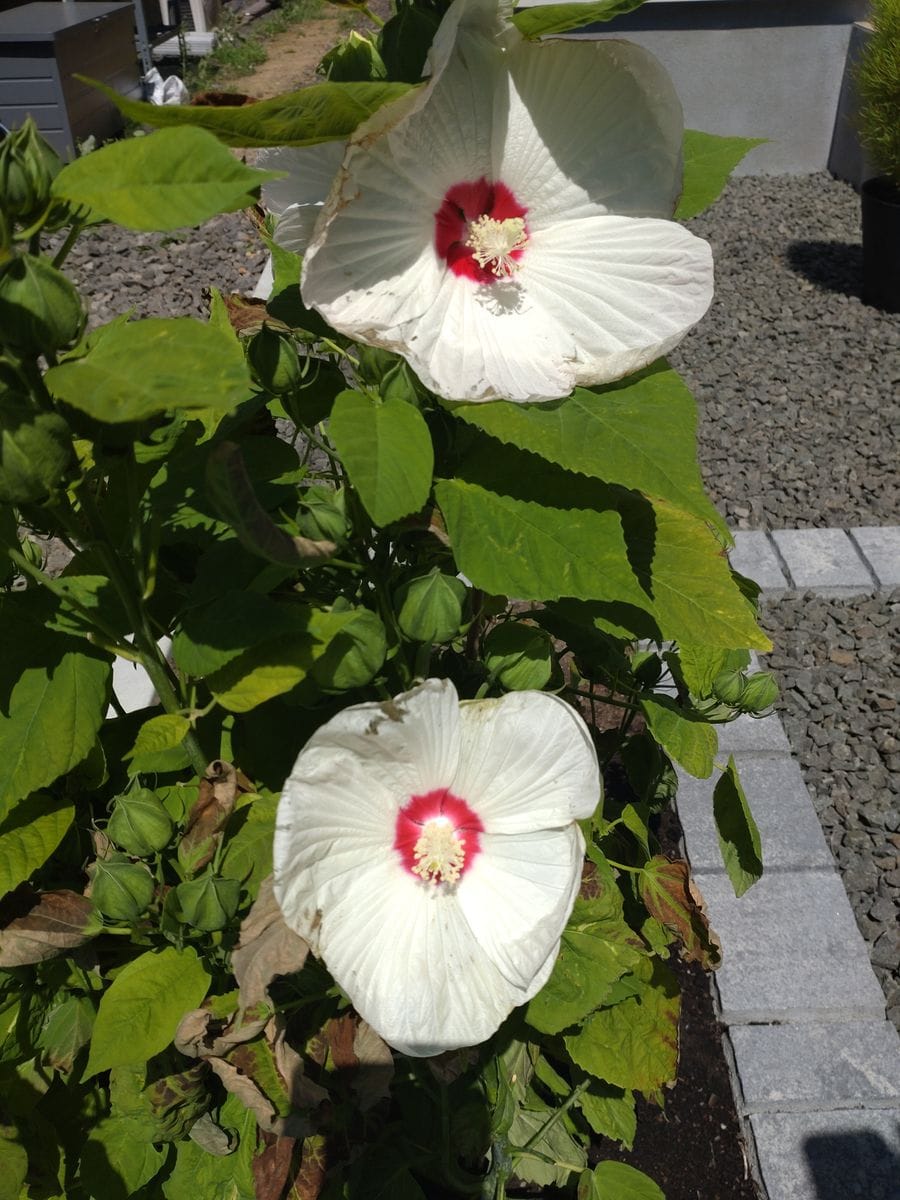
165, 91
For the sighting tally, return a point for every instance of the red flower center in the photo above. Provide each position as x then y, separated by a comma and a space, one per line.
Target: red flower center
437, 836
480, 213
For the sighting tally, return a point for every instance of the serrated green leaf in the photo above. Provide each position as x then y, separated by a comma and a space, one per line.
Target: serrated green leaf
116, 1162
28, 836
610, 1112
633, 1045
66, 1030
548, 19
53, 697
324, 112
159, 745
689, 740
587, 965
172, 179
708, 162
142, 368
618, 1181
639, 432
386, 450
140, 1010
564, 1153
738, 834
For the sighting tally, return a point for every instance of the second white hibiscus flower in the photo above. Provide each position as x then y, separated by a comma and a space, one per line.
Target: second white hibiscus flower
504, 228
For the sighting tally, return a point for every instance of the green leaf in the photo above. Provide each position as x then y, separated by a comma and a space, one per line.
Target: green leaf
610, 1112
708, 162
738, 835
13, 1164
547, 19
159, 745
524, 528
214, 634
564, 1153
618, 1181
140, 1010
28, 836
687, 737
116, 1161
639, 432
53, 697
633, 1045
248, 850
324, 112
66, 1030
386, 449
142, 368
173, 179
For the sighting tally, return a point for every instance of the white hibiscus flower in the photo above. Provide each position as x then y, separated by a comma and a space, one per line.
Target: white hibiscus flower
428, 852
504, 228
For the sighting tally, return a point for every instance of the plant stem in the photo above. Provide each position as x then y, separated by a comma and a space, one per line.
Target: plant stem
556, 1116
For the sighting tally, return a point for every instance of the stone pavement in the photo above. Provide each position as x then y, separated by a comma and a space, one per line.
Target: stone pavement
816, 1066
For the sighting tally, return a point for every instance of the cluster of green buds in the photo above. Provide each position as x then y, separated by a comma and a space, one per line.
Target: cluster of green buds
28, 166
753, 694
122, 889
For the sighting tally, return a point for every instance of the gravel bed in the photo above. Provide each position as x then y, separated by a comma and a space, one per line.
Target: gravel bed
798, 381
839, 703
798, 386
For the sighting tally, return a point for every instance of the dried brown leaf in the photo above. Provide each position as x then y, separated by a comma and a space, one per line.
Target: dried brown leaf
310, 1178
200, 1035
302, 1091
36, 926
372, 1081
672, 897
215, 803
340, 1033
266, 948
272, 1168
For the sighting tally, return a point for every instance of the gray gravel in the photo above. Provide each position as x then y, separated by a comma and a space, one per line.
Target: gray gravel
798, 385
798, 381
836, 663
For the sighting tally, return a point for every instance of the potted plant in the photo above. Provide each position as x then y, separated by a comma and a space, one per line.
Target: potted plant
879, 89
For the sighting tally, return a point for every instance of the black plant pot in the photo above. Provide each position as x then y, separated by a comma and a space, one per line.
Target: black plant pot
881, 243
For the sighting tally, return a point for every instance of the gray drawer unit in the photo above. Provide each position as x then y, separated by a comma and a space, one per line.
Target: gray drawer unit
43, 45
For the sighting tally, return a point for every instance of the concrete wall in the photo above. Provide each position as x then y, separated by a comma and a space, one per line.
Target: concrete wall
755, 68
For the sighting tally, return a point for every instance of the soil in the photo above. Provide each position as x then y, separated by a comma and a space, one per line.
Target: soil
693, 1148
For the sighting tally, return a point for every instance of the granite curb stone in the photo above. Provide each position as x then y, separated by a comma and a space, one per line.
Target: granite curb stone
880, 547
832, 562
823, 559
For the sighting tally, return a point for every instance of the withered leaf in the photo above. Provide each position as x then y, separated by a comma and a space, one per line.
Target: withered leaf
341, 1033
200, 1035
302, 1091
671, 896
272, 1167
36, 926
310, 1178
248, 314
372, 1081
215, 803
266, 948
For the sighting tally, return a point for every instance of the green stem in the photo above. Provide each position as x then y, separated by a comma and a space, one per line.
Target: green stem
624, 867
71, 238
556, 1116
373, 17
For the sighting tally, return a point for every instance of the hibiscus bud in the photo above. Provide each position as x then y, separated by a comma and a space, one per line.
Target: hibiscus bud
273, 361
33, 552
430, 608
729, 686
355, 60
208, 903
28, 166
519, 656
139, 823
322, 514
121, 890
40, 309
35, 451
760, 693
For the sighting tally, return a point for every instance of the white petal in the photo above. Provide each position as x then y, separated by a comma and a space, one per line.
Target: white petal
517, 896
310, 173
626, 289
406, 957
526, 762
593, 127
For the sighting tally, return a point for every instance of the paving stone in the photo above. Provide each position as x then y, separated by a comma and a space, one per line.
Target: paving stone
755, 556
792, 951
748, 734
849, 1155
823, 559
808, 1067
880, 546
789, 829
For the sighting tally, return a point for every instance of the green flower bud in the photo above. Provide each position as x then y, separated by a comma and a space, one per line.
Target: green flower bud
122, 890
139, 823
35, 451
208, 903
40, 309
355, 60
519, 656
760, 693
322, 514
729, 686
33, 551
28, 166
273, 361
430, 608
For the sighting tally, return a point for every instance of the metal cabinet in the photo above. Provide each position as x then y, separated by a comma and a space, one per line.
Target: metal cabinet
44, 45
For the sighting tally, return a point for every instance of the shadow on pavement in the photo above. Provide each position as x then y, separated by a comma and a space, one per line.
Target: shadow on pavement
832, 266
854, 1163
